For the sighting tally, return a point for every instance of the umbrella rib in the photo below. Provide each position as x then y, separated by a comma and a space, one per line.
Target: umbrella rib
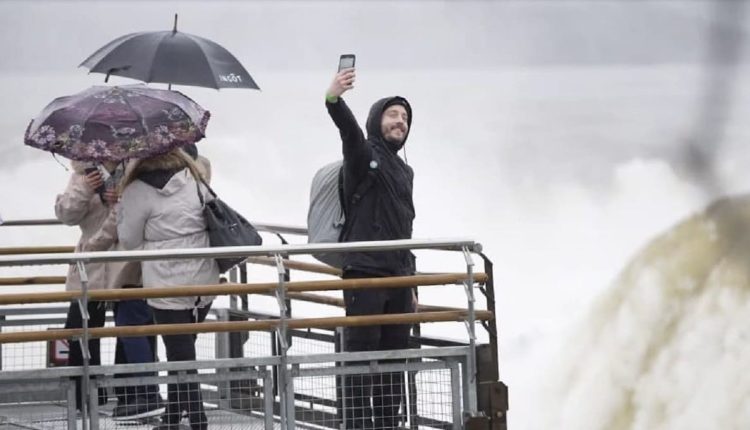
105, 50
208, 63
156, 51
139, 114
88, 115
213, 45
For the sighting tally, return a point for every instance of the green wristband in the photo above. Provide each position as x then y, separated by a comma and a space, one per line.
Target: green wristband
331, 99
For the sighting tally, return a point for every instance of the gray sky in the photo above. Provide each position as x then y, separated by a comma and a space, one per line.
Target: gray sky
384, 34
422, 37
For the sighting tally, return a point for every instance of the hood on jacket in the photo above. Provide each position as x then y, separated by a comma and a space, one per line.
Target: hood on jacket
375, 119
166, 182
158, 171
157, 178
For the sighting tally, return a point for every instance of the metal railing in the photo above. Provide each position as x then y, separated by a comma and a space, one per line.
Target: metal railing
277, 372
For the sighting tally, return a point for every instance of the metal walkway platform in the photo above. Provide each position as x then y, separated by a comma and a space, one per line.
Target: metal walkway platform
53, 416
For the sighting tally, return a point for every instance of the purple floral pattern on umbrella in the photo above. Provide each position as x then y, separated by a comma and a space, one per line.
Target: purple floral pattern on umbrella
45, 135
117, 123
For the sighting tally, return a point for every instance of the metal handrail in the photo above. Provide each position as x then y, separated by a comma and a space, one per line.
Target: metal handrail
297, 265
236, 326
269, 228
232, 288
235, 251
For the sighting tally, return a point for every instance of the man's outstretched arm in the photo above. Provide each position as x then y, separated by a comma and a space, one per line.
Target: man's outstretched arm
352, 138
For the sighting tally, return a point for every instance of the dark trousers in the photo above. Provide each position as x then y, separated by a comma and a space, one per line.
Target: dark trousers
385, 390
140, 349
181, 347
97, 313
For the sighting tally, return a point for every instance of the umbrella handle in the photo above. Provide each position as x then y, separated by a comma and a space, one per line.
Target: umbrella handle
114, 69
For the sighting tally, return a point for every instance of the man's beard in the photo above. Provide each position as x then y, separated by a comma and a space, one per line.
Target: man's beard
396, 144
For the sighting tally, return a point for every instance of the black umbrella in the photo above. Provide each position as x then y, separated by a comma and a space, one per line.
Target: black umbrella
170, 57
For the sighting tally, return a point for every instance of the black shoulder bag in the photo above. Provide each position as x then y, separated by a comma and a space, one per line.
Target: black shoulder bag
226, 227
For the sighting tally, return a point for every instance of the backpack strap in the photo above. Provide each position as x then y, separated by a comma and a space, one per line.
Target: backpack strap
369, 179
362, 188
342, 199
364, 185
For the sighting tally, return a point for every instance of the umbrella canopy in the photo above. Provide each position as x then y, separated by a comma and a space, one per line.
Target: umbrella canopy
117, 123
170, 57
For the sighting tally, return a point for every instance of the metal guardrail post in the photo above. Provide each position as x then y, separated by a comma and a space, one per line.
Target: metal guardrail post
233, 279
340, 380
243, 279
83, 303
268, 398
471, 407
285, 382
290, 404
455, 395
222, 350
287, 300
94, 400
489, 293
71, 396
492, 394
2, 321
287, 278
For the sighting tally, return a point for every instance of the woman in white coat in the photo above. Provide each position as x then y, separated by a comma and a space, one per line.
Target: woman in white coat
83, 206
160, 209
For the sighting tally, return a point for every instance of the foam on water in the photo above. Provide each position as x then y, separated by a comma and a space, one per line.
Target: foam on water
666, 346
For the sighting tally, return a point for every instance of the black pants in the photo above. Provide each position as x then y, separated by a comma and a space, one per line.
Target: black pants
386, 390
138, 349
97, 313
181, 347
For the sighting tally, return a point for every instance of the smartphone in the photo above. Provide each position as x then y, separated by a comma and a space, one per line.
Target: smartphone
346, 61
91, 169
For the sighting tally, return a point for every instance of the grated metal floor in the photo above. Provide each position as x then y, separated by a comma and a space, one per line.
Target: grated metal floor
51, 416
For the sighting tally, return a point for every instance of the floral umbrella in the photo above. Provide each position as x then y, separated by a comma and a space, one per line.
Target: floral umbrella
117, 123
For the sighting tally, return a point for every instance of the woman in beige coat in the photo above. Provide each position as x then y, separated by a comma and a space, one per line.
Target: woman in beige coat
159, 210
81, 205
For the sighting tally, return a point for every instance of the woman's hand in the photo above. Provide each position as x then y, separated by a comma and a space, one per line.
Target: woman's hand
94, 180
111, 196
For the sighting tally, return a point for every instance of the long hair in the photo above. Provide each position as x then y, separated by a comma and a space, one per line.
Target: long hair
175, 159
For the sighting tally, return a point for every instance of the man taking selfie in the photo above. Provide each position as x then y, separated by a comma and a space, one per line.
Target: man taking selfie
378, 206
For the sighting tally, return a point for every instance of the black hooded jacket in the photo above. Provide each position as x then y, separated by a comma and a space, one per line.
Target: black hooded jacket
384, 211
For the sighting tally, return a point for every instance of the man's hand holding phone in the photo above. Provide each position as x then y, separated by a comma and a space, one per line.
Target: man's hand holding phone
344, 79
